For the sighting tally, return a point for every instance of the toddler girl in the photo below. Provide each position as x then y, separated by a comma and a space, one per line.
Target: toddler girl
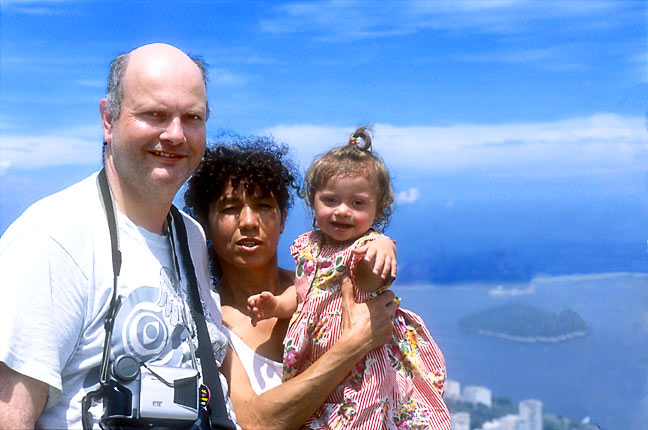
398, 385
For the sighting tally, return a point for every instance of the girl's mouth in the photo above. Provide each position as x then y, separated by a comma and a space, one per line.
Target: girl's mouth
339, 226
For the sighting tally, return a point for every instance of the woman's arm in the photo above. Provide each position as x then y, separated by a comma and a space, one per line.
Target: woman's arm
365, 326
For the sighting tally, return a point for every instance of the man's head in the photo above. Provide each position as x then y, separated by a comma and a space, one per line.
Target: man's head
115, 90
154, 123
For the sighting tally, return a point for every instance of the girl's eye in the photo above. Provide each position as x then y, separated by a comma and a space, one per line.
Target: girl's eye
358, 202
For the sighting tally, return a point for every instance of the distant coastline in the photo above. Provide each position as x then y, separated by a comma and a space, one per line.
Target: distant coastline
524, 323
549, 339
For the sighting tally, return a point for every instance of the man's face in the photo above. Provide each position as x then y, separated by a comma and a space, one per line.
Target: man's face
159, 137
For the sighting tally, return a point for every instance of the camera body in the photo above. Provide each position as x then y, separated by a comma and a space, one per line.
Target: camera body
139, 396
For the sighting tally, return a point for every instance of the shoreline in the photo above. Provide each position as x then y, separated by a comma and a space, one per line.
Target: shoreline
531, 339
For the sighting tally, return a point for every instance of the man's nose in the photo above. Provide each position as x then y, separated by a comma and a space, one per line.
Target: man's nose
174, 132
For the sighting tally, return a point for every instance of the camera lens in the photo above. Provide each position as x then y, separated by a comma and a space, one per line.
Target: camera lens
126, 367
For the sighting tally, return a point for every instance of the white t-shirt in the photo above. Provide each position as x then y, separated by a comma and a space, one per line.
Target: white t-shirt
57, 282
262, 372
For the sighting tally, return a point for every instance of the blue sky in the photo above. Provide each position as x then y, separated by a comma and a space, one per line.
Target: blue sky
501, 121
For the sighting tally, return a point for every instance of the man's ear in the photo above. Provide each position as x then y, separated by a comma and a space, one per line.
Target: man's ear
106, 120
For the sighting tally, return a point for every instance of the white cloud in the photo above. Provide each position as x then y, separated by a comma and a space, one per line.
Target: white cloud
345, 20
604, 143
409, 196
29, 2
598, 143
35, 7
78, 145
4, 165
225, 78
91, 83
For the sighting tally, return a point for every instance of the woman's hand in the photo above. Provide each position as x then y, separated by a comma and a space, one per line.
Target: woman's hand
368, 325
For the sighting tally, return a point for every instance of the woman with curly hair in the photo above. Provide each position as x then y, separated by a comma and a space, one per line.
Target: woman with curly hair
241, 194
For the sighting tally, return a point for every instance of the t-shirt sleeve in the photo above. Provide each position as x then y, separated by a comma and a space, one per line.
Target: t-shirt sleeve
43, 308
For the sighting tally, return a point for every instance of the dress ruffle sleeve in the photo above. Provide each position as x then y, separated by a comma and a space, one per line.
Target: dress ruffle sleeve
305, 250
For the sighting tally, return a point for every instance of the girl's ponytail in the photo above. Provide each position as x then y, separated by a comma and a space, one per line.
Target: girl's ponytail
363, 134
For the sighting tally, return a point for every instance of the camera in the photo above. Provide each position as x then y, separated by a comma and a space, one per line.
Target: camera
141, 396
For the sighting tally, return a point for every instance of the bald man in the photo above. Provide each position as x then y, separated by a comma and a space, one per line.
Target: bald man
56, 266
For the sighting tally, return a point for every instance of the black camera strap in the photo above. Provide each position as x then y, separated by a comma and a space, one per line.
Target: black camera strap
219, 418
218, 414
115, 302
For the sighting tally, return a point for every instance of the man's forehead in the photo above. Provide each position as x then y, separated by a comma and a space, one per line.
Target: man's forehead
163, 63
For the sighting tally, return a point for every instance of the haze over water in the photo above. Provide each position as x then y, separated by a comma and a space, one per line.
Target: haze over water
601, 375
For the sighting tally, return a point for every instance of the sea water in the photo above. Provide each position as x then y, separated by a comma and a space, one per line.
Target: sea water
602, 375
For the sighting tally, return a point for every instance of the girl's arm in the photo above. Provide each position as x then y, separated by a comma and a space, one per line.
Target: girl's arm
266, 305
288, 406
378, 267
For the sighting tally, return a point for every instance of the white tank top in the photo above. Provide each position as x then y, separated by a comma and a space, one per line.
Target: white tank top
262, 372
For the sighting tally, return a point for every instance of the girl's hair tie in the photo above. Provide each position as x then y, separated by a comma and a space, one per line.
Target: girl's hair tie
361, 138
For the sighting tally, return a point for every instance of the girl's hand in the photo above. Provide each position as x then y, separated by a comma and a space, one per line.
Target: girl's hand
262, 306
380, 255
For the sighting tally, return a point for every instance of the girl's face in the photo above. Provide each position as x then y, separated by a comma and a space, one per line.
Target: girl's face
245, 227
345, 208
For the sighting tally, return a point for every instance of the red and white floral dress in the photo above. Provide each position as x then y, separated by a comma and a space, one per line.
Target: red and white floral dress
396, 386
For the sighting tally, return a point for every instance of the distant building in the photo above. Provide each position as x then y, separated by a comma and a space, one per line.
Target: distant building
531, 411
452, 390
513, 422
475, 394
491, 425
507, 422
460, 421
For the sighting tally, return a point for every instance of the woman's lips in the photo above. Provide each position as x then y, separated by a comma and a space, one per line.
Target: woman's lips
248, 243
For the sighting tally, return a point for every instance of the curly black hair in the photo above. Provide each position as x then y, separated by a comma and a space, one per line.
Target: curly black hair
255, 161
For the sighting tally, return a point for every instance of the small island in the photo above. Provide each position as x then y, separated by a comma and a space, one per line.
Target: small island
525, 323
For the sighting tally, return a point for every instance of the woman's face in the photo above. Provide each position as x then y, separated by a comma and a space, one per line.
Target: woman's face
244, 227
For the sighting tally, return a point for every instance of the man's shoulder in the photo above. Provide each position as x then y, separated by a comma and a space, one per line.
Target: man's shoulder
69, 212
